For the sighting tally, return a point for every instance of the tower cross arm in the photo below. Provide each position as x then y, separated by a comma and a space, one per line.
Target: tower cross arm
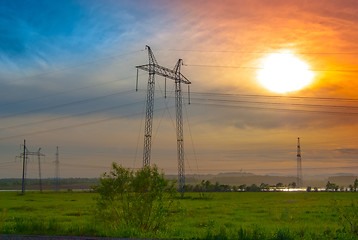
163, 71
35, 154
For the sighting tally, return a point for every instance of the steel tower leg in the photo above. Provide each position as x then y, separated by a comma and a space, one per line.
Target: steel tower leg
180, 140
148, 120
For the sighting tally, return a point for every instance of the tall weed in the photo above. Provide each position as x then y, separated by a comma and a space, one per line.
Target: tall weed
348, 216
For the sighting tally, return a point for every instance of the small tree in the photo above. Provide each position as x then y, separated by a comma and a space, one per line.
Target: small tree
242, 187
331, 186
253, 188
264, 187
141, 199
309, 189
217, 187
328, 186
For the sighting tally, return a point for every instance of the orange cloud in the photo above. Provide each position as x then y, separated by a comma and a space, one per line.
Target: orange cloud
319, 31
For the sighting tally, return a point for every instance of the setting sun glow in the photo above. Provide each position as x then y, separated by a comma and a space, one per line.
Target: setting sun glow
284, 72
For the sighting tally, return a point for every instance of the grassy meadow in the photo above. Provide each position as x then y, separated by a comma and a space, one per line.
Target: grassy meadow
235, 215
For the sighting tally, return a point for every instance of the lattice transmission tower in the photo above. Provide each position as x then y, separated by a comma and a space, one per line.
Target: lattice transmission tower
39, 155
24, 155
57, 171
299, 164
154, 68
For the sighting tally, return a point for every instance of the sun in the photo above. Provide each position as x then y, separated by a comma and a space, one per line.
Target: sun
284, 72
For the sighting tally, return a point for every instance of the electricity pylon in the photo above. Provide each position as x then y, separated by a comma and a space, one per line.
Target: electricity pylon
299, 164
24, 155
39, 154
154, 68
57, 171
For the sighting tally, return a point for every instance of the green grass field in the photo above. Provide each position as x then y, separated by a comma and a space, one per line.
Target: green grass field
239, 215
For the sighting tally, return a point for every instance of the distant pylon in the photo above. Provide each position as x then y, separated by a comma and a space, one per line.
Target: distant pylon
299, 164
39, 154
57, 171
24, 162
24, 155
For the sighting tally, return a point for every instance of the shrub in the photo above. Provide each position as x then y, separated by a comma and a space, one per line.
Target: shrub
142, 200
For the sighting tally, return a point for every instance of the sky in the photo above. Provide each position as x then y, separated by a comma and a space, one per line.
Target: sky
67, 79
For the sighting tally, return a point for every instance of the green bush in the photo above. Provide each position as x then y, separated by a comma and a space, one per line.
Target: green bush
142, 200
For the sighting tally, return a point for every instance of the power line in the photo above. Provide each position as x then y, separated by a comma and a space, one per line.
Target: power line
139, 134
72, 126
278, 103
166, 110
277, 96
74, 66
66, 104
271, 96
278, 109
84, 165
218, 100
192, 143
227, 169
65, 92
7, 163
255, 68
258, 52
70, 116
277, 169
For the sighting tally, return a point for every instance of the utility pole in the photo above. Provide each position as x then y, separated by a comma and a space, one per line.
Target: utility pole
57, 171
24, 158
154, 68
24, 155
39, 159
299, 164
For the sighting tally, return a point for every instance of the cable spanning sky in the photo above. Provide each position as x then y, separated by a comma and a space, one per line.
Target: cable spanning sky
67, 79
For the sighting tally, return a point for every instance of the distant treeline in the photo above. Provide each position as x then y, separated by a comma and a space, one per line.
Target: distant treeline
334, 187
207, 186
48, 183
203, 186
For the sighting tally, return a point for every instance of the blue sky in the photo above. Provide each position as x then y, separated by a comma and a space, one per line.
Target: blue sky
53, 46
40, 34
35, 32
